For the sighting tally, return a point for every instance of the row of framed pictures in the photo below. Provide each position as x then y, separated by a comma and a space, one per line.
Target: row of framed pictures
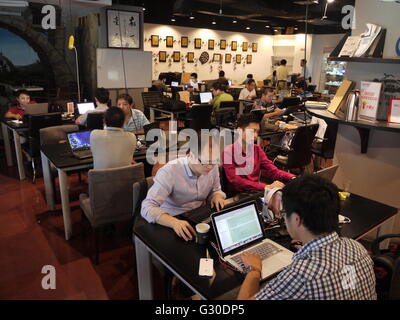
217, 57
155, 42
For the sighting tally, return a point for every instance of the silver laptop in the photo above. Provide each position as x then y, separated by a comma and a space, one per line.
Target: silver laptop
328, 173
239, 230
37, 108
85, 107
80, 144
205, 97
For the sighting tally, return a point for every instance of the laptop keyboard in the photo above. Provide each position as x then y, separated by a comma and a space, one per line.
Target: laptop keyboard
264, 250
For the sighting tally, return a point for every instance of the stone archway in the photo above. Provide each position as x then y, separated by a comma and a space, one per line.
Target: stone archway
46, 51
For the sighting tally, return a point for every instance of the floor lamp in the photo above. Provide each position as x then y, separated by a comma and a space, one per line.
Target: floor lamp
71, 46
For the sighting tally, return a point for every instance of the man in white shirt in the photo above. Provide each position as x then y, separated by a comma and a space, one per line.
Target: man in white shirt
102, 98
249, 92
194, 82
112, 147
282, 74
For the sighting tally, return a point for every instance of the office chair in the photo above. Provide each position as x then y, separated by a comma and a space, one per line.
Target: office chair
225, 117
230, 104
325, 149
300, 154
35, 123
199, 117
95, 121
152, 98
110, 199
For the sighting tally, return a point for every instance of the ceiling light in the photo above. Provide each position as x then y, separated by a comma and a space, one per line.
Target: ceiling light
191, 17
268, 27
173, 20
234, 21
213, 22
247, 28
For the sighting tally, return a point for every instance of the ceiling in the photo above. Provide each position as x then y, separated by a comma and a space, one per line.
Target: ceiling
252, 16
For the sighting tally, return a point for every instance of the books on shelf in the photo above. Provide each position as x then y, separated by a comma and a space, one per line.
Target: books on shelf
350, 47
369, 100
341, 95
367, 39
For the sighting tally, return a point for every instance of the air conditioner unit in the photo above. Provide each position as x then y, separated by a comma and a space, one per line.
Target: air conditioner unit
94, 3
13, 3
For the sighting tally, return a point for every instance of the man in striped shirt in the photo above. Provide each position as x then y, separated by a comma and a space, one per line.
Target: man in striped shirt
327, 267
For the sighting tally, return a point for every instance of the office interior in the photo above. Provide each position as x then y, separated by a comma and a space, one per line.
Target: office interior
61, 51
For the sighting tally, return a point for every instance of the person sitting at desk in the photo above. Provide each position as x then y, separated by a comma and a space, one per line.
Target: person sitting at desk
222, 80
248, 78
17, 111
220, 95
102, 98
112, 147
249, 92
327, 267
266, 103
194, 82
255, 157
282, 74
135, 120
182, 185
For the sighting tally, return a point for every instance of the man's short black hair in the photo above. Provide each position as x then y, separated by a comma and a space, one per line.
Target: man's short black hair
250, 76
315, 200
222, 74
103, 95
22, 91
194, 75
283, 62
219, 86
114, 117
245, 120
251, 81
162, 76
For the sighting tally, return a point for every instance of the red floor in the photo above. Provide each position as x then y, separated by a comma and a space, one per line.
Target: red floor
27, 245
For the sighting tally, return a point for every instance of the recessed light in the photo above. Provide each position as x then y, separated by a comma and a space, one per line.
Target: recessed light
144, 9
214, 22
267, 26
234, 21
191, 17
247, 28
276, 30
173, 20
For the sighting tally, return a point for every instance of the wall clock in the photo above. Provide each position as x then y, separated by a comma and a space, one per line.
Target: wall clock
123, 29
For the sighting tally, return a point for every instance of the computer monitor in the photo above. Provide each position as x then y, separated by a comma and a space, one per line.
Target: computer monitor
79, 140
229, 82
84, 107
205, 97
174, 84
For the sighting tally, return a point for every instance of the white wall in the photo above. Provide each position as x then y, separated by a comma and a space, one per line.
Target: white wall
261, 64
382, 13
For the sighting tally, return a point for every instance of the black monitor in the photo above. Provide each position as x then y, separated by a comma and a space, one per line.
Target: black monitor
171, 77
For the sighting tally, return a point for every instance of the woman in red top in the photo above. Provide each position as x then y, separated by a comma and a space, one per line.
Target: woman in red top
17, 111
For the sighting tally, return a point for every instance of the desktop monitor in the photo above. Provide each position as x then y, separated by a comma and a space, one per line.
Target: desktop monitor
205, 97
84, 107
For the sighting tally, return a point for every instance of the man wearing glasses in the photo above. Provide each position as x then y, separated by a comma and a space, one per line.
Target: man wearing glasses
327, 267
182, 185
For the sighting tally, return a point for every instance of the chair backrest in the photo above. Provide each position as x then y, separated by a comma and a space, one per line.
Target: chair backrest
230, 104
139, 192
224, 116
110, 193
53, 135
40, 121
152, 98
201, 117
95, 120
300, 148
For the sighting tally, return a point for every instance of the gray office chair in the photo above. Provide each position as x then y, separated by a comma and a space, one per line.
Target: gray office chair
110, 198
56, 134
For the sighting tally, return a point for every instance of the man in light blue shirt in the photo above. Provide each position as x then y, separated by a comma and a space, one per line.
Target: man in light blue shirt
180, 186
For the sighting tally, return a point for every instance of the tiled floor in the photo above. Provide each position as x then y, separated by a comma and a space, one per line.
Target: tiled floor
31, 237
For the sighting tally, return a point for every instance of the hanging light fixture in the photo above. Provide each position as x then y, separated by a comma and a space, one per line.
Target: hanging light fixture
326, 9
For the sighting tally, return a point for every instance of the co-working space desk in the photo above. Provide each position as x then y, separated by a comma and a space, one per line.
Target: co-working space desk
182, 258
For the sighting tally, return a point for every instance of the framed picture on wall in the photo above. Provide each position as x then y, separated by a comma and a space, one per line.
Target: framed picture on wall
254, 47
217, 57
222, 44
228, 58
184, 42
197, 43
162, 56
211, 44
190, 57
155, 41
249, 59
124, 29
170, 42
245, 46
238, 58
177, 56
234, 45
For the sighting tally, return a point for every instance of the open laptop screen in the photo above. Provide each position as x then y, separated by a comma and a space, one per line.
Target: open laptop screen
238, 227
205, 97
84, 107
78, 140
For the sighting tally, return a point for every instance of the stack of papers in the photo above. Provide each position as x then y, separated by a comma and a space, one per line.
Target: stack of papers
350, 47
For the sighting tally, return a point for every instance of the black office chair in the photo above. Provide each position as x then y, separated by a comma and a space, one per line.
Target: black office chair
326, 148
199, 117
230, 104
35, 123
95, 121
152, 98
300, 154
225, 117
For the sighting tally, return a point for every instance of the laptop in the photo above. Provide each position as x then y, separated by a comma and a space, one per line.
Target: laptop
36, 108
239, 230
80, 144
205, 97
174, 84
328, 173
84, 107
